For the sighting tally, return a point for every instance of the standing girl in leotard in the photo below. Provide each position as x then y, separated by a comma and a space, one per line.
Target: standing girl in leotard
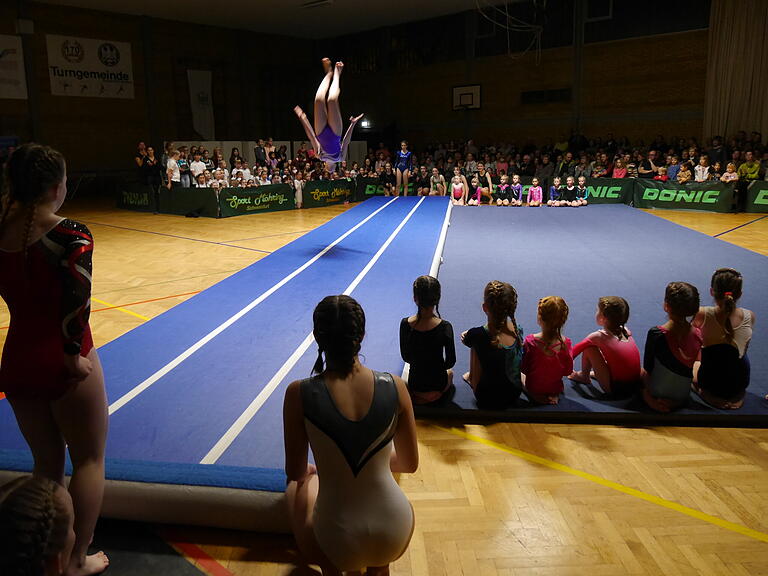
722, 376
50, 372
348, 514
326, 136
611, 351
403, 161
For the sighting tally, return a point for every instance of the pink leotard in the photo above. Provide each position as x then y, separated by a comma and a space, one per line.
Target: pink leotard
621, 356
544, 367
478, 194
458, 189
534, 194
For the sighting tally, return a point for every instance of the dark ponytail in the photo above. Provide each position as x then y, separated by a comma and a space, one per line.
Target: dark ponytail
339, 327
726, 288
616, 311
426, 293
501, 301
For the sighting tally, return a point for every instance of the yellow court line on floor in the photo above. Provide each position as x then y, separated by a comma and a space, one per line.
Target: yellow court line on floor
732, 526
139, 316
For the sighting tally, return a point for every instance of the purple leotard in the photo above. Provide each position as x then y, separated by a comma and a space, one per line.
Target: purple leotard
330, 145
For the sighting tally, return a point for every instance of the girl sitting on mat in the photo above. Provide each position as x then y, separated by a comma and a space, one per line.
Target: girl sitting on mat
610, 355
581, 191
502, 194
426, 343
436, 183
348, 514
555, 194
459, 187
326, 136
722, 376
535, 193
569, 193
496, 350
50, 371
671, 350
475, 193
547, 355
36, 518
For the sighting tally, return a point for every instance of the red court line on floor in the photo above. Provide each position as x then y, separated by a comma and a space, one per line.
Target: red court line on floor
197, 556
135, 303
146, 301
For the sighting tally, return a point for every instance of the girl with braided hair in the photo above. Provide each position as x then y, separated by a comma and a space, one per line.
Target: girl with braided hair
610, 355
496, 350
426, 343
722, 376
36, 535
50, 372
547, 355
672, 349
360, 426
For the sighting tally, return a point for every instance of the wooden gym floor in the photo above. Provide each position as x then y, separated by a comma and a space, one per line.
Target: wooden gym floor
503, 499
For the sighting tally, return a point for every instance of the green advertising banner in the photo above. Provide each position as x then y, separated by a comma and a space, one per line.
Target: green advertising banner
327, 192
367, 187
714, 196
757, 197
189, 201
269, 198
134, 196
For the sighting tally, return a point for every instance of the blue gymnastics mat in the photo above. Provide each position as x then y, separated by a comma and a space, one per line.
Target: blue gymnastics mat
196, 393
582, 254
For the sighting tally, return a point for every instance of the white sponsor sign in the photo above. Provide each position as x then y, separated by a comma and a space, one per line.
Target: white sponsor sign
89, 68
13, 81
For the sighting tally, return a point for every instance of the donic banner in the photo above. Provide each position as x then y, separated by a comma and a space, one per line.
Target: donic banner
89, 68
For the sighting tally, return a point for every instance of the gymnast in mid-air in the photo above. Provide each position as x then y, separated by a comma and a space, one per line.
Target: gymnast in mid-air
326, 136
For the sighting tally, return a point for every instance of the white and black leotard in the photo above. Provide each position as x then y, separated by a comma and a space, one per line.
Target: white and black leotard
361, 516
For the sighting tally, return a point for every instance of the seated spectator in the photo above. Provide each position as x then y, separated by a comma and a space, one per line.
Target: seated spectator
645, 166
701, 172
722, 376
207, 160
583, 168
684, 175
496, 350
348, 513
426, 343
673, 168
200, 181
619, 170
235, 155
749, 170
715, 171
36, 527
661, 175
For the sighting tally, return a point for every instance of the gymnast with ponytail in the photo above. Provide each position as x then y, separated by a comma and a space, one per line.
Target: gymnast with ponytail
722, 376
50, 370
426, 344
496, 350
348, 514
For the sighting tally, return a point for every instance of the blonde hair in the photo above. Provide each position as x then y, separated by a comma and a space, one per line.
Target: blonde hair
553, 312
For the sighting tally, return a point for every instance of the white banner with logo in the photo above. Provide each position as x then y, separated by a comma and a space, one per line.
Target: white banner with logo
13, 80
89, 68
202, 102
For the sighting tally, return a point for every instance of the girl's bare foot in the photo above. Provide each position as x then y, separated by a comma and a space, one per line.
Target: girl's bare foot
326, 65
94, 564
355, 119
579, 377
339, 67
299, 112
465, 377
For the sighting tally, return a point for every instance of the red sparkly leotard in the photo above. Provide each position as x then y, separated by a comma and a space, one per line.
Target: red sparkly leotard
48, 295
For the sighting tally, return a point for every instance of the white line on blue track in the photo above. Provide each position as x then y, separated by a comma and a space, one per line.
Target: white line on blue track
239, 425
133, 393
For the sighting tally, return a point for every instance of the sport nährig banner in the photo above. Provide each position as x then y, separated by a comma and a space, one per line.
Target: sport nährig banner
757, 197
327, 192
268, 198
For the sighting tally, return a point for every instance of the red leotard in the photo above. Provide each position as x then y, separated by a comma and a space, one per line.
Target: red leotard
48, 295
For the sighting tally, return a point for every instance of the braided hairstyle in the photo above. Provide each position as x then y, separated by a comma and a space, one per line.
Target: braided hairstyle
726, 288
339, 327
426, 293
616, 312
30, 172
500, 299
553, 312
34, 526
682, 300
